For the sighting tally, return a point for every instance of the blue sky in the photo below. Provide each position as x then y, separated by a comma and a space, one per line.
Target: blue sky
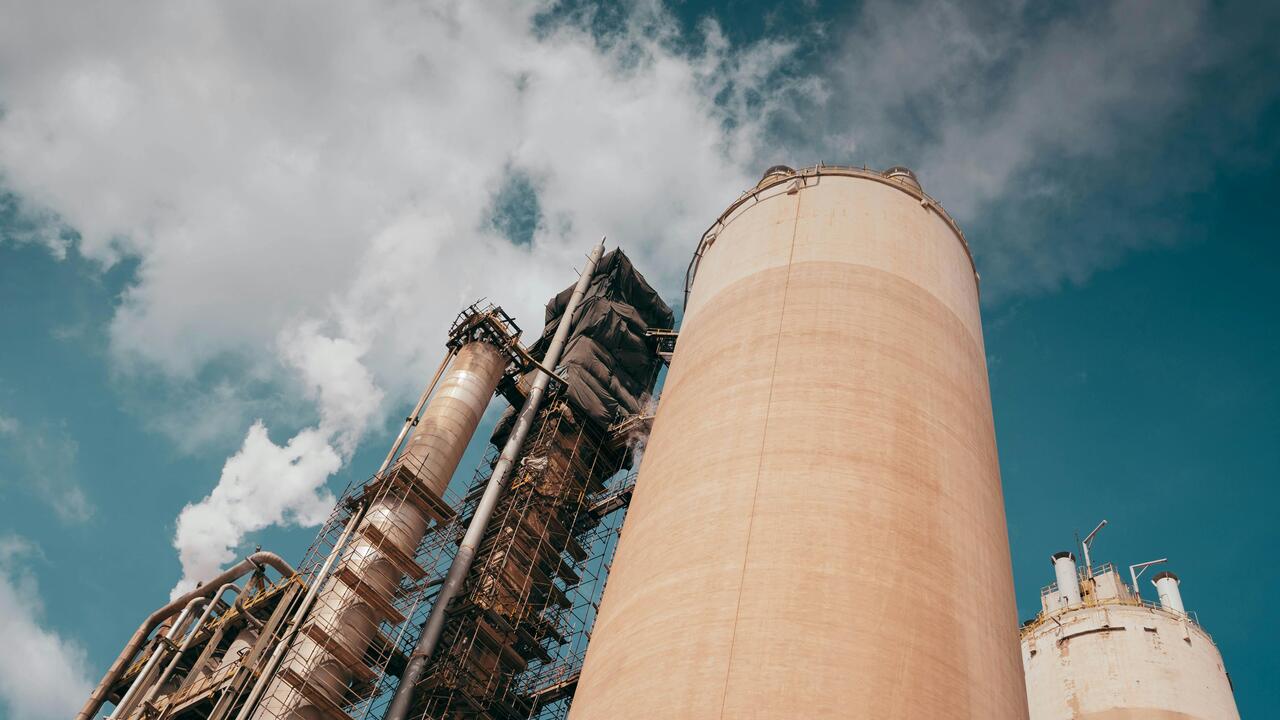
245, 217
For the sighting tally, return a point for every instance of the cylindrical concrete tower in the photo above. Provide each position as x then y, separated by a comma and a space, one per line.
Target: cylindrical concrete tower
818, 529
1115, 657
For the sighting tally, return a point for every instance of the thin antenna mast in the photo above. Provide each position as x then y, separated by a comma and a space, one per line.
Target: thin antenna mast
1088, 562
1135, 572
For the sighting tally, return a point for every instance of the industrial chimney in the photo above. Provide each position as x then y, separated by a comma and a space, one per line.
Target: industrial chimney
1064, 569
818, 522
1170, 596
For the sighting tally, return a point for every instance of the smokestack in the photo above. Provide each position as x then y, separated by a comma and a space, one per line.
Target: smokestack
1064, 567
1170, 596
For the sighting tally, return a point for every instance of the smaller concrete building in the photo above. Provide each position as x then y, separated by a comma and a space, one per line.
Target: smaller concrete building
1097, 651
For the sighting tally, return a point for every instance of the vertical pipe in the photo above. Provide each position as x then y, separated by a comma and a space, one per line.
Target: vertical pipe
412, 420
142, 682
461, 565
301, 613
253, 562
1170, 595
1064, 568
186, 643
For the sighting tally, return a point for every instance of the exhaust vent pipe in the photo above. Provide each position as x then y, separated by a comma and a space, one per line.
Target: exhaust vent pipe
1170, 596
1064, 567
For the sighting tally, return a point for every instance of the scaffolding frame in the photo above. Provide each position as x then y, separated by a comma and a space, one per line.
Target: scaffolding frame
319, 667
515, 637
375, 673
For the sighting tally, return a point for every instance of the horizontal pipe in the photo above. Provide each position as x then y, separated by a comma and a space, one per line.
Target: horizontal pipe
253, 562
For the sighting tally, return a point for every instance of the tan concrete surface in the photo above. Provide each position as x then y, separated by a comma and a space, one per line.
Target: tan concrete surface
818, 529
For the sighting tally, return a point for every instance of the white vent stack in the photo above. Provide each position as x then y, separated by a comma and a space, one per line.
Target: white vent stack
1064, 567
1170, 596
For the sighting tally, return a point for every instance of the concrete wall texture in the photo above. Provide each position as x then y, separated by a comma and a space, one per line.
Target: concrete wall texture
818, 529
1124, 662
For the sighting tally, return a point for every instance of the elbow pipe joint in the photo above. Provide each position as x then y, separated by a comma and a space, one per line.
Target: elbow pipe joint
257, 559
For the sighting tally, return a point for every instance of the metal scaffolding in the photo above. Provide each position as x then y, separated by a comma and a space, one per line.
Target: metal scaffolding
336, 636
515, 638
376, 671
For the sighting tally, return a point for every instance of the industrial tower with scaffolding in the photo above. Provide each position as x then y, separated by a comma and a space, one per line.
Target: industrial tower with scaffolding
474, 604
816, 530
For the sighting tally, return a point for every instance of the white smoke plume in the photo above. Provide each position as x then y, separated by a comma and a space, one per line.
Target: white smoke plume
268, 484
309, 192
638, 438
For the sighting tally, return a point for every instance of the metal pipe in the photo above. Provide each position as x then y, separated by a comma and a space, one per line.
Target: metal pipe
141, 682
249, 619
230, 693
1135, 572
1064, 569
1170, 596
412, 420
254, 561
461, 565
1088, 541
278, 654
191, 636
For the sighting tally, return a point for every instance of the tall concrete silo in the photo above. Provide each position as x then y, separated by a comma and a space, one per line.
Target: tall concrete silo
818, 528
1097, 651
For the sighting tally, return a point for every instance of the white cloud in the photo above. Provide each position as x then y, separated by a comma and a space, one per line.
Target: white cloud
992, 103
306, 188
263, 484
267, 484
42, 674
44, 458
257, 159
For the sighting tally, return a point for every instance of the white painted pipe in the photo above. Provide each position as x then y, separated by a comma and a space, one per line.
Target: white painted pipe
1064, 568
253, 562
1170, 595
143, 681
190, 638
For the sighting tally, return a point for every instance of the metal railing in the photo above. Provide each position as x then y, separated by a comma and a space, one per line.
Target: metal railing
1129, 598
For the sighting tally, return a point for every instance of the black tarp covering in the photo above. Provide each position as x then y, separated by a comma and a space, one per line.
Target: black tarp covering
608, 364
